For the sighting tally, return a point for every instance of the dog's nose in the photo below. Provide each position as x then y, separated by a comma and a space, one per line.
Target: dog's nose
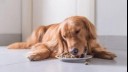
74, 51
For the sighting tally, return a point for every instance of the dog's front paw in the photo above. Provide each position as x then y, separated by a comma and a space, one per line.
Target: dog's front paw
109, 55
105, 55
34, 56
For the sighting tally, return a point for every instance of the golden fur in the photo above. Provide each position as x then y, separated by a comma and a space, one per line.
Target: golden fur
74, 32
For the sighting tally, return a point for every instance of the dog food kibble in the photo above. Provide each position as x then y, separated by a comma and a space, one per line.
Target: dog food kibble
86, 63
66, 55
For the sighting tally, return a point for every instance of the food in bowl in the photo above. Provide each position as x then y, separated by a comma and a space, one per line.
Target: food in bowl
66, 55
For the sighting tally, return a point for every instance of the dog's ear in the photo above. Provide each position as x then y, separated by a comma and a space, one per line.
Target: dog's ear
91, 30
62, 46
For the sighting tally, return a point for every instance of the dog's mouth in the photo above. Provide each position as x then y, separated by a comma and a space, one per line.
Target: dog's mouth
80, 56
72, 55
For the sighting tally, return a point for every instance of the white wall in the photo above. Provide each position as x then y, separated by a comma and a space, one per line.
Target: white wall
86, 8
10, 16
53, 11
112, 17
10, 21
27, 17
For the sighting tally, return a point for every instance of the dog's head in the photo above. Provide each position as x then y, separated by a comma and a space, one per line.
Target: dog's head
75, 33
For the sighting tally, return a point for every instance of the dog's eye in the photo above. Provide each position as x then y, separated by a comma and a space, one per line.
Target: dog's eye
64, 36
77, 31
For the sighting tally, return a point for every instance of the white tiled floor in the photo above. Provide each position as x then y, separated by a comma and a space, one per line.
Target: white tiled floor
15, 61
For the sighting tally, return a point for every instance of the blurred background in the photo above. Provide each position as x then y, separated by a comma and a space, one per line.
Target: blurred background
18, 18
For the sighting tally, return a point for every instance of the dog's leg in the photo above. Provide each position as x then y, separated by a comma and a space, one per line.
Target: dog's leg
100, 52
39, 52
36, 37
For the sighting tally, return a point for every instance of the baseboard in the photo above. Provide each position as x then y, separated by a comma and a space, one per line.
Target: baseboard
6, 39
114, 42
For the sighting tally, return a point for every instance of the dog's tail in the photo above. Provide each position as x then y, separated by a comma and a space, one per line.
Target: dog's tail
19, 45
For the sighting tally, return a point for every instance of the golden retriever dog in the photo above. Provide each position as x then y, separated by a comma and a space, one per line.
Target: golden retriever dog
74, 35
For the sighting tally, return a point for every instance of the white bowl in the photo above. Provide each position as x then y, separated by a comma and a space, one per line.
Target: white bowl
75, 59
